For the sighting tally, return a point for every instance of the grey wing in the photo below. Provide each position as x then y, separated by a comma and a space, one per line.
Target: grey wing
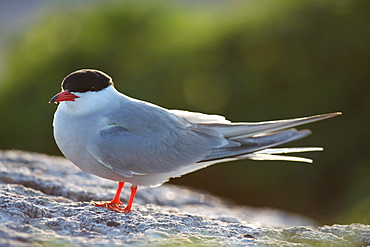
237, 131
149, 140
146, 139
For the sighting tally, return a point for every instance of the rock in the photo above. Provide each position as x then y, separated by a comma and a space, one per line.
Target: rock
45, 200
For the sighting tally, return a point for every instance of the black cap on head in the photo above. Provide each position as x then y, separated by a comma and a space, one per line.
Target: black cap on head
86, 80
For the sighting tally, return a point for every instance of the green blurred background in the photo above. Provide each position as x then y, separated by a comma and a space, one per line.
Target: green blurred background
247, 60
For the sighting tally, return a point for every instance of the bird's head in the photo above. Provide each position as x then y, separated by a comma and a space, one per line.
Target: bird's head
81, 81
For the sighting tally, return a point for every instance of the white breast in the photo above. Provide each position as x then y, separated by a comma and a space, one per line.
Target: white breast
74, 122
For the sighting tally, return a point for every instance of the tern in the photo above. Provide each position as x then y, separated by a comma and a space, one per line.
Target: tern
113, 136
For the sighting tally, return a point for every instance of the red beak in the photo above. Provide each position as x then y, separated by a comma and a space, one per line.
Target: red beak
63, 96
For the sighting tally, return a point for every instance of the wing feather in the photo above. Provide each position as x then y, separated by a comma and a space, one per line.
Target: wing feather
255, 144
151, 141
243, 130
146, 139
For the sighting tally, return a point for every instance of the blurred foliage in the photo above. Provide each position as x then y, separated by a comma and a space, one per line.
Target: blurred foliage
247, 60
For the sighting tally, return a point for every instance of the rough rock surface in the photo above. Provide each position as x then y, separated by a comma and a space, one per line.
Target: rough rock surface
45, 201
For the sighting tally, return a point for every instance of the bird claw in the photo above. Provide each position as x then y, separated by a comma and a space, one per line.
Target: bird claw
106, 204
119, 209
112, 206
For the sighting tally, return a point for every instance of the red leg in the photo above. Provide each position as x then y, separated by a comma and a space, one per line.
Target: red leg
114, 204
127, 209
116, 201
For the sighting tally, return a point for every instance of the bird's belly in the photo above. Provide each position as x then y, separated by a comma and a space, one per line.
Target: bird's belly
72, 142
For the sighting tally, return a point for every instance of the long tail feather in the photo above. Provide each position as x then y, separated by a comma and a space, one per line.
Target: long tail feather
255, 140
254, 144
278, 157
270, 154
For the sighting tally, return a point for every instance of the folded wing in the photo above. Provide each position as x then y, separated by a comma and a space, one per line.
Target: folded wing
156, 140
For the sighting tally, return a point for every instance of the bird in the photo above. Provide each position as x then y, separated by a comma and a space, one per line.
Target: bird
116, 137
